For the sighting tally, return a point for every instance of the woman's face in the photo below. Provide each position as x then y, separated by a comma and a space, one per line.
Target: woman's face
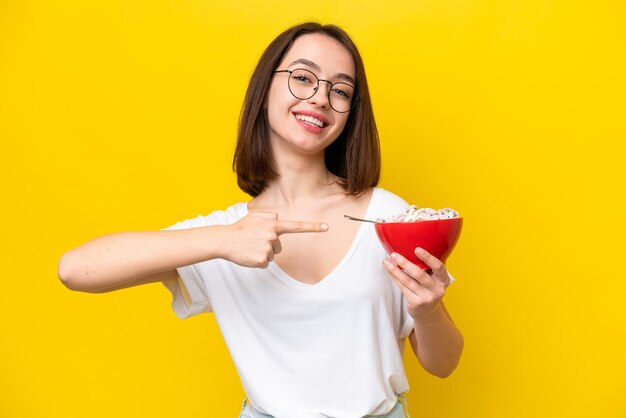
309, 125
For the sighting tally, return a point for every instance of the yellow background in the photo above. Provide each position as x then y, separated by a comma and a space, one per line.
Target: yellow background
121, 115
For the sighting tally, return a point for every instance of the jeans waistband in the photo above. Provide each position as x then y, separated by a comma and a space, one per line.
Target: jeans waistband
400, 410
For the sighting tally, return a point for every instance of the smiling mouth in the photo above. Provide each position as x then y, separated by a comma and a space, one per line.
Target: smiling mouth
310, 120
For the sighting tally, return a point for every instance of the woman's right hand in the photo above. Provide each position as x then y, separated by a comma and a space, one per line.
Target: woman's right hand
255, 239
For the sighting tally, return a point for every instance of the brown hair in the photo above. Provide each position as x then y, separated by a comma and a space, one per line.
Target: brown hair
354, 156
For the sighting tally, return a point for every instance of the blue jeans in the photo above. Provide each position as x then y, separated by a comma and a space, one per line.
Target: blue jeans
400, 410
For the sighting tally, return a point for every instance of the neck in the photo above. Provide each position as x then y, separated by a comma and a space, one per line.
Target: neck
302, 179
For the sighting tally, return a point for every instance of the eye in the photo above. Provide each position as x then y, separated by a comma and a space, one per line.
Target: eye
302, 77
343, 91
340, 92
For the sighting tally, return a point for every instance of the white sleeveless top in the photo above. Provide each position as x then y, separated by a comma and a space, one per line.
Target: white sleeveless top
332, 349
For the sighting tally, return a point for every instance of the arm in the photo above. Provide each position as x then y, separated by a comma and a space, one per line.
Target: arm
437, 343
126, 259
435, 339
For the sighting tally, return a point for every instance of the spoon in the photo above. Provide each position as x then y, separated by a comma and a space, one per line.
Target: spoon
352, 218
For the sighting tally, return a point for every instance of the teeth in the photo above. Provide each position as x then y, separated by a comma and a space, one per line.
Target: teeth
311, 120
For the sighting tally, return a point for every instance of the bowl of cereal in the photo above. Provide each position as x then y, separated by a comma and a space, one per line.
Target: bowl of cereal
436, 231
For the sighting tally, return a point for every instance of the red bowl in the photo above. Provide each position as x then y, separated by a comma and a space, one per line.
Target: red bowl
438, 237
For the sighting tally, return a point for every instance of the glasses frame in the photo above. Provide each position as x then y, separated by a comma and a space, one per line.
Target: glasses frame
355, 99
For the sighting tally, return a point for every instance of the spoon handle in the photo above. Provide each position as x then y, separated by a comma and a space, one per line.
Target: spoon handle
352, 218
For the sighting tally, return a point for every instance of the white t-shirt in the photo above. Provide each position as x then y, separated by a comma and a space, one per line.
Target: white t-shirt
332, 349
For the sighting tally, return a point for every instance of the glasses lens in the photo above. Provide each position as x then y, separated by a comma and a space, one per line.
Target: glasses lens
341, 97
302, 84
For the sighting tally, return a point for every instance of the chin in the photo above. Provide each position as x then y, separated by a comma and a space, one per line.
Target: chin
310, 147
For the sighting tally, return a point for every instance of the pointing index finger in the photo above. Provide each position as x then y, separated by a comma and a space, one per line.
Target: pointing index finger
290, 227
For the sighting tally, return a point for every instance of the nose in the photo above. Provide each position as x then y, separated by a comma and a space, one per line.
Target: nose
321, 96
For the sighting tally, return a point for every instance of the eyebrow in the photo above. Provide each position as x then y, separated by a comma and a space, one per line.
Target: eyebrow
311, 64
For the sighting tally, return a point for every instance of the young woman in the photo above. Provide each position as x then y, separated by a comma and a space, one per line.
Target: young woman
313, 312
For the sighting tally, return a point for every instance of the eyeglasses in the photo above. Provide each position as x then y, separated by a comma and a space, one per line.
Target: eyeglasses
303, 84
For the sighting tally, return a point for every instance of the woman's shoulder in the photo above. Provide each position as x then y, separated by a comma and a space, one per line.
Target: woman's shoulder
218, 217
385, 202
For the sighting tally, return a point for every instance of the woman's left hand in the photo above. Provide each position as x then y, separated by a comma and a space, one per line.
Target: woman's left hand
423, 291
